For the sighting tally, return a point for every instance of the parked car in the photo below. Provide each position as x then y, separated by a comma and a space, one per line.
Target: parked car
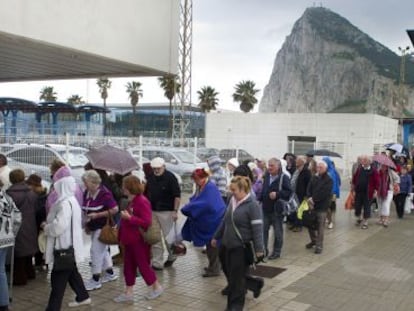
204, 153
36, 158
241, 154
177, 160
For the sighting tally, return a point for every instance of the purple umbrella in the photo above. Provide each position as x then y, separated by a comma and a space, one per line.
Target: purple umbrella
112, 159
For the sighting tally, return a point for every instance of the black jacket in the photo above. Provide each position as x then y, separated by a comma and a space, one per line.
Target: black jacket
302, 183
320, 190
269, 205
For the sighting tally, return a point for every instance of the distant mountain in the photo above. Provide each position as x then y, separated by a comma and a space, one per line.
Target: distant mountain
327, 64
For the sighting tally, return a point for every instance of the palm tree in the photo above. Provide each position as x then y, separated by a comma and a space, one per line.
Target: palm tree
171, 87
48, 94
135, 92
75, 99
208, 98
245, 94
104, 84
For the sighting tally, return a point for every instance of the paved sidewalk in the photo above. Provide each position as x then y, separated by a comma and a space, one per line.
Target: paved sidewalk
358, 270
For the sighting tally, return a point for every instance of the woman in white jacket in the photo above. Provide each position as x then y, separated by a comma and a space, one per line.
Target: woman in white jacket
63, 229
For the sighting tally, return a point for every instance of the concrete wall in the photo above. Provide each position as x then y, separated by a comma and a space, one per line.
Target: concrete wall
141, 32
265, 135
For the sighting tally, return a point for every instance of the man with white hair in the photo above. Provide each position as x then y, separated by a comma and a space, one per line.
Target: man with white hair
319, 195
163, 191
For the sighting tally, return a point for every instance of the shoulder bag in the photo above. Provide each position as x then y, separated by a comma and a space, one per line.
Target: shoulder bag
153, 234
109, 232
249, 251
64, 259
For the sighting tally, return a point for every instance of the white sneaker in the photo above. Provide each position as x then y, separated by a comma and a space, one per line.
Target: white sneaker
74, 304
109, 277
92, 284
330, 226
124, 298
153, 294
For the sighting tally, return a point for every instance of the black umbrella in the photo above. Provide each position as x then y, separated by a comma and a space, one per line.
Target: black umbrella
323, 152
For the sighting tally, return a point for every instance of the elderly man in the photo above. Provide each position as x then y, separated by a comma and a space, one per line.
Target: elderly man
276, 185
319, 195
365, 183
163, 191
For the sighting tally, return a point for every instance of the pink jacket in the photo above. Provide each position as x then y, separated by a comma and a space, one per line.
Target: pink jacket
140, 209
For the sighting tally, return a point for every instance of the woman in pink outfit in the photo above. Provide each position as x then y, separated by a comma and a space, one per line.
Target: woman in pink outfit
137, 251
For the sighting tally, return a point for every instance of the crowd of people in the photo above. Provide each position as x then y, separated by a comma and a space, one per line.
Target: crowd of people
230, 214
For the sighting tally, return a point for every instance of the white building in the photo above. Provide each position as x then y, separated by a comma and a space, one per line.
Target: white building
266, 135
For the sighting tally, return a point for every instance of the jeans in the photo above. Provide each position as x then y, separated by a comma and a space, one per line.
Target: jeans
276, 220
362, 203
4, 292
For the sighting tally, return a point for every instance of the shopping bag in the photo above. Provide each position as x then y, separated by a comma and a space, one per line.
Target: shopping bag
350, 201
408, 205
302, 207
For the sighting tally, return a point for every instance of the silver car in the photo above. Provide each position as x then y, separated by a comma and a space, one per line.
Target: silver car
36, 159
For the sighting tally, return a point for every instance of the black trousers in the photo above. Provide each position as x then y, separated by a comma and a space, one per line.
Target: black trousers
399, 200
233, 263
362, 203
59, 279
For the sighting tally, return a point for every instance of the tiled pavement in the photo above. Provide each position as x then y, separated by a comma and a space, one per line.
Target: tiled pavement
358, 270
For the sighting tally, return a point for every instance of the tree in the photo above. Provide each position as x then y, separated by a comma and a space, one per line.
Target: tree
75, 99
208, 98
245, 94
135, 92
48, 94
171, 87
104, 84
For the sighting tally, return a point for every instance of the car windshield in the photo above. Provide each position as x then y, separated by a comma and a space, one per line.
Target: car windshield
75, 158
186, 157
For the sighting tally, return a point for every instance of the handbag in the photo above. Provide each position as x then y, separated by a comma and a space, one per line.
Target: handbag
310, 219
109, 232
64, 259
350, 201
153, 234
178, 248
290, 206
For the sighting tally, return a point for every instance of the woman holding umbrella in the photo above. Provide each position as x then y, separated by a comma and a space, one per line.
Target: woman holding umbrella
388, 185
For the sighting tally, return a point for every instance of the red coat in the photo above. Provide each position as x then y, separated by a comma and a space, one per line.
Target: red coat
140, 208
373, 182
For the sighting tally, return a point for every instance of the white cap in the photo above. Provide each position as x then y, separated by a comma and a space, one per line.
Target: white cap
157, 162
234, 162
252, 165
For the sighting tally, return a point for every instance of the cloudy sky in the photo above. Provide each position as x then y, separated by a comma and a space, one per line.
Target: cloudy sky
235, 40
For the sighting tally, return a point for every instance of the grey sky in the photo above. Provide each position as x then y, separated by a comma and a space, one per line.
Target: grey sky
236, 40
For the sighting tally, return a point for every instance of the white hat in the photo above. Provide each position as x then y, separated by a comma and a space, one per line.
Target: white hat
252, 165
157, 162
234, 162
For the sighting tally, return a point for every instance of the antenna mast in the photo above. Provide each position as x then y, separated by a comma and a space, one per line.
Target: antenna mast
180, 120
